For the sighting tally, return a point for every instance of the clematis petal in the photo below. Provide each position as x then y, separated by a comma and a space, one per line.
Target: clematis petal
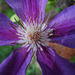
29, 8
6, 37
65, 35
66, 67
5, 21
64, 27
47, 56
60, 67
17, 62
64, 16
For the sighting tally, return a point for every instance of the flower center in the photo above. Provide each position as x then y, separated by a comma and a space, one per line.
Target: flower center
35, 36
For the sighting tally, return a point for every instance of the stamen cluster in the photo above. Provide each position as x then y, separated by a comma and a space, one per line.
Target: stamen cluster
33, 35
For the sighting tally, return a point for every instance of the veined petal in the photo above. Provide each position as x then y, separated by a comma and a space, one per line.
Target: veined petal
64, 16
60, 67
17, 62
5, 21
65, 35
29, 8
64, 27
47, 56
66, 67
6, 37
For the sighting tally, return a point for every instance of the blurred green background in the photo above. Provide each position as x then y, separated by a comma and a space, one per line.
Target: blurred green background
5, 51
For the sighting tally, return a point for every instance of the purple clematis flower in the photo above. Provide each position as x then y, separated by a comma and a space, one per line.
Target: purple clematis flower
34, 36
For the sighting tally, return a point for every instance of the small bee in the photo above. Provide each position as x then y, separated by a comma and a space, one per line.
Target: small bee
53, 32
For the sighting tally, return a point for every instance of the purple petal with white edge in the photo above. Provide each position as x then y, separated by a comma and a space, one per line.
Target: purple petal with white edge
47, 56
29, 8
64, 27
60, 67
17, 62
7, 37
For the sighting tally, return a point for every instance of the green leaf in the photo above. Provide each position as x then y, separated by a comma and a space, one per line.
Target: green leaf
50, 5
58, 9
72, 59
14, 16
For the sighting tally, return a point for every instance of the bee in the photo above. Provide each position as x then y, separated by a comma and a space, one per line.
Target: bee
51, 34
